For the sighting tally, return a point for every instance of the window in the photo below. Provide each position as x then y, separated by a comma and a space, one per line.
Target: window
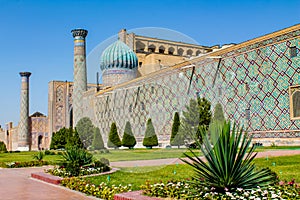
140, 64
294, 93
293, 51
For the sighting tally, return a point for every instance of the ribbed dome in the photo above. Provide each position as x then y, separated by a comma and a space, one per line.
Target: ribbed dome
118, 55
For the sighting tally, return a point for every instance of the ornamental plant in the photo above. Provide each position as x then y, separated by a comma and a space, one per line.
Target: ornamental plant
75, 158
113, 138
177, 138
39, 156
150, 138
98, 140
128, 137
228, 166
2, 147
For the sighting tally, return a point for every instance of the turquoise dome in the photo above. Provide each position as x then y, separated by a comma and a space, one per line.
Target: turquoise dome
118, 55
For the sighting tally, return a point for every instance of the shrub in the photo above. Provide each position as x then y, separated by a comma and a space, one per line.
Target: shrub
47, 152
85, 129
24, 164
98, 140
218, 113
59, 139
228, 165
74, 139
177, 138
197, 115
2, 147
128, 137
75, 158
150, 138
39, 156
113, 138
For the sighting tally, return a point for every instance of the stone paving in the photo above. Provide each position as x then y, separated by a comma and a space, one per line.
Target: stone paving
17, 184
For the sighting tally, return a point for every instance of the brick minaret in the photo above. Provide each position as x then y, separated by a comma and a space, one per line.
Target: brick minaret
24, 143
80, 77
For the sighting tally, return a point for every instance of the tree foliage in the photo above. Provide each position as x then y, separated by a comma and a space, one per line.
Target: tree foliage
197, 115
218, 113
128, 137
2, 147
150, 138
65, 138
85, 129
176, 139
113, 138
98, 140
229, 162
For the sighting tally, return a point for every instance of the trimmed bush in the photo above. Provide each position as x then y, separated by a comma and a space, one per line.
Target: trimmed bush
150, 138
218, 113
113, 138
176, 138
98, 140
128, 137
59, 139
2, 147
74, 139
85, 129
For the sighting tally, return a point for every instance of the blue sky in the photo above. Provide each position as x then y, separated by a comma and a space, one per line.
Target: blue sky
35, 35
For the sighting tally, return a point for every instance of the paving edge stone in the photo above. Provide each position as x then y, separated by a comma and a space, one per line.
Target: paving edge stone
135, 195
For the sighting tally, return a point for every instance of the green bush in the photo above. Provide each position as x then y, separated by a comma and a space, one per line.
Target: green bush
128, 137
2, 147
39, 156
218, 113
197, 115
59, 139
98, 140
113, 138
24, 164
75, 158
85, 129
150, 138
74, 139
228, 165
48, 152
177, 138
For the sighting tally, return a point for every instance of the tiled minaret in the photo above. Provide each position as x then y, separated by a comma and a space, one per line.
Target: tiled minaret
80, 77
23, 129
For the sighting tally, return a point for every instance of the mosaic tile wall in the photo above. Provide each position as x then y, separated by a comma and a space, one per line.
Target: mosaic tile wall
251, 83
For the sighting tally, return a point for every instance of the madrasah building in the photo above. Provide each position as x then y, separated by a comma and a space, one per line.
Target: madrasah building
257, 82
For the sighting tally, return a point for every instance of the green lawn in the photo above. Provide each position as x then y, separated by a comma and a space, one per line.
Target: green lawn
26, 156
286, 167
142, 154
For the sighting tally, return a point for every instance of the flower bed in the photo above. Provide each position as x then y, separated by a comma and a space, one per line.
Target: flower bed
62, 172
178, 190
103, 191
33, 163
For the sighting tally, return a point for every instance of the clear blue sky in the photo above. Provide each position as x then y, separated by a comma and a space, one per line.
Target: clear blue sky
35, 35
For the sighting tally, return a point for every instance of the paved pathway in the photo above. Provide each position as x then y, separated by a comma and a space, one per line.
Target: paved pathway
16, 184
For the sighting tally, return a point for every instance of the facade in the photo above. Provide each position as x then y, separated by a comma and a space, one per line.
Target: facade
257, 82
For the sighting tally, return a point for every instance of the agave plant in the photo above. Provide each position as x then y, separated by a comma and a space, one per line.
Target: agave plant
75, 158
39, 156
228, 166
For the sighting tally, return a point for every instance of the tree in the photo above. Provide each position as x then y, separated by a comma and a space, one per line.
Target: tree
85, 130
74, 139
2, 147
176, 139
196, 116
218, 113
150, 138
113, 138
98, 140
128, 137
59, 139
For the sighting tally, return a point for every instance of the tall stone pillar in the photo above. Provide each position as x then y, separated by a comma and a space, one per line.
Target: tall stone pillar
80, 77
24, 143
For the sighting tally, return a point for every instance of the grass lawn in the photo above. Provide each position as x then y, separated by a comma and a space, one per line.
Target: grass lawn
142, 154
26, 156
286, 168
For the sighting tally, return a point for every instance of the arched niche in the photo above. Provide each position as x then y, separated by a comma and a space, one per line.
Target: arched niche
140, 46
171, 51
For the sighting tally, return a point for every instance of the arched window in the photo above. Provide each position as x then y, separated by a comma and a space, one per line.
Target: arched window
140, 46
189, 52
198, 53
161, 49
180, 52
171, 51
151, 48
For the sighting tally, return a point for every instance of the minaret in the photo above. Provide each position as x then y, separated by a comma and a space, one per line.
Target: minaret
24, 143
80, 77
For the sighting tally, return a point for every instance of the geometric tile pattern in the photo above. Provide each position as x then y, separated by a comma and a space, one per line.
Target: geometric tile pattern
251, 83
